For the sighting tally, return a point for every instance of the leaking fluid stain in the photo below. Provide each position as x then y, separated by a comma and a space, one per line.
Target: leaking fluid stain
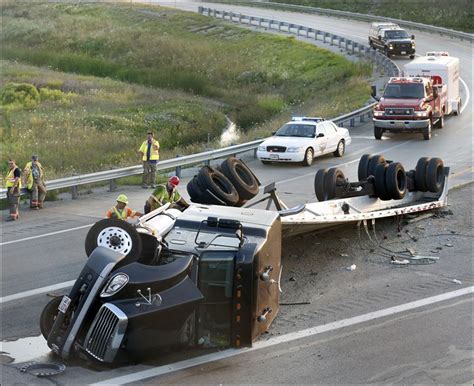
24, 349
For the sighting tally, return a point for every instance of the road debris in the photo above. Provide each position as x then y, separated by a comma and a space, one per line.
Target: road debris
294, 303
399, 262
292, 278
411, 220
448, 245
352, 267
456, 281
343, 255
411, 251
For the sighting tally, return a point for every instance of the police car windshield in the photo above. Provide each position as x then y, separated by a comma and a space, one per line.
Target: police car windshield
294, 130
397, 34
404, 90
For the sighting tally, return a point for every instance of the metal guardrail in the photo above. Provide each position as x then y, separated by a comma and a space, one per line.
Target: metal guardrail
370, 18
349, 45
205, 157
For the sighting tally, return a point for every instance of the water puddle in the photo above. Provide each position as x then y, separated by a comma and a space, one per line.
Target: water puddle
25, 349
230, 135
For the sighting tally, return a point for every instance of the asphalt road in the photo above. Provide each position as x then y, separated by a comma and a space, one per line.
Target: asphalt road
56, 256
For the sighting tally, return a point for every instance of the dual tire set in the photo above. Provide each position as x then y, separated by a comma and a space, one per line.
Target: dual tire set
390, 180
231, 184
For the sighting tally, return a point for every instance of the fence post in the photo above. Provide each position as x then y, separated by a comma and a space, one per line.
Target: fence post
74, 192
351, 122
178, 168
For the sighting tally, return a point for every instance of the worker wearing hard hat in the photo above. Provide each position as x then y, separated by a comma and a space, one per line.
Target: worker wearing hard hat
166, 193
121, 210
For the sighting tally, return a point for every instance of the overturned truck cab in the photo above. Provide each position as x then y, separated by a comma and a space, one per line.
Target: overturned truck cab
209, 278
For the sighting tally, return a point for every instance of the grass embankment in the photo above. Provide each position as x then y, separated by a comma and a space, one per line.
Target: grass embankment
82, 83
457, 15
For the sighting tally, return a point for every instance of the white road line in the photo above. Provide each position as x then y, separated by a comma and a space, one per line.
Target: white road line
154, 372
36, 291
45, 235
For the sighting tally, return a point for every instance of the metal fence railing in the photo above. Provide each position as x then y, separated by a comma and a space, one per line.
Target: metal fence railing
348, 119
370, 18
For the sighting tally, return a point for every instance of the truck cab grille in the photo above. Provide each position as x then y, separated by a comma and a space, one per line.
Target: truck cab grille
398, 111
106, 333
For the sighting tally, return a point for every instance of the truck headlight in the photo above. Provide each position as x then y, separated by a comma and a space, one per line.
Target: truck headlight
115, 284
422, 113
378, 113
261, 148
413, 45
293, 149
390, 46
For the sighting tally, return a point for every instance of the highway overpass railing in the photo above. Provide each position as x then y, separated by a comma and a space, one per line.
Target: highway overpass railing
177, 163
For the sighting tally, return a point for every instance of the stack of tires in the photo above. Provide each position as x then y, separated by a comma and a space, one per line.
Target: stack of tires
389, 178
230, 184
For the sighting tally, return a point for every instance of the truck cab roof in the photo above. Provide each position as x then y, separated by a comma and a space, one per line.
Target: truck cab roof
415, 79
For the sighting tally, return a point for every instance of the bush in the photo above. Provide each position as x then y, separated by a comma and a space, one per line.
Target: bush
19, 95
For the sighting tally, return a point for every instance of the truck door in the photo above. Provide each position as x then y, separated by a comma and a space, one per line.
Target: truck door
216, 273
321, 141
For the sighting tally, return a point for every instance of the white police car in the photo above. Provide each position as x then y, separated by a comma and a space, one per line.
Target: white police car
303, 139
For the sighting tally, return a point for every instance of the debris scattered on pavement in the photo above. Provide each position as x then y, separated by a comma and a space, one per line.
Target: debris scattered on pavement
419, 218
292, 278
294, 303
448, 245
43, 369
399, 262
418, 257
434, 251
352, 267
343, 255
411, 251
457, 281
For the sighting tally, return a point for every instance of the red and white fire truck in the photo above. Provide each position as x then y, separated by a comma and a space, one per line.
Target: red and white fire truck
419, 101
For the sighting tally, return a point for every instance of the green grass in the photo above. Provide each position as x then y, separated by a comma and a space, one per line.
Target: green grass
82, 83
457, 15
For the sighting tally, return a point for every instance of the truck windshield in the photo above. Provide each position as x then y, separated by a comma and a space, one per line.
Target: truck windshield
294, 130
398, 34
404, 91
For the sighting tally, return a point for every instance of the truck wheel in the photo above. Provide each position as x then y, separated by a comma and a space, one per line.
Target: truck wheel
378, 132
375, 160
341, 147
363, 167
396, 181
218, 184
319, 179
48, 316
427, 132
330, 182
380, 187
435, 175
458, 109
440, 122
412, 57
308, 157
117, 235
387, 53
420, 174
241, 177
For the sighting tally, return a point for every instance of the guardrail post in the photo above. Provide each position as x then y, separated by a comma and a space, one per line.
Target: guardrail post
240, 18
178, 168
346, 44
279, 25
200, 9
352, 47
259, 22
351, 122
298, 31
74, 192
307, 32
340, 40
332, 39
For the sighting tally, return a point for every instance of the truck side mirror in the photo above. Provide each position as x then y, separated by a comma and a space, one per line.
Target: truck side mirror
412, 37
373, 91
320, 135
380, 37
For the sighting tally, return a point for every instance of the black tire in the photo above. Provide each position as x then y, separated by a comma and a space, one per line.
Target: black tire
363, 167
435, 175
241, 177
412, 57
440, 122
427, 131
386, 52
458, 109
117, 235
48, 316
380, 186
378, 132
420, 174
308, 157
319, 179
194, 190
330, 181
396, 181
375, 160
218, 184
340, 149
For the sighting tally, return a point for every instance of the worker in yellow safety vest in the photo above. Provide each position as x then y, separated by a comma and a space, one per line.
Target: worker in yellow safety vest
121, 211
149, 151
166, 193
33, 178
13, 185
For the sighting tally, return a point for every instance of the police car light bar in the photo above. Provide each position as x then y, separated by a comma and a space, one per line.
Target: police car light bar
313, 119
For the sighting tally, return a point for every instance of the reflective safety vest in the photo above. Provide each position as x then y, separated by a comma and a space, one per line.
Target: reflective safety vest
162, 196
120, 214
11, 179
154, 153
28, 173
